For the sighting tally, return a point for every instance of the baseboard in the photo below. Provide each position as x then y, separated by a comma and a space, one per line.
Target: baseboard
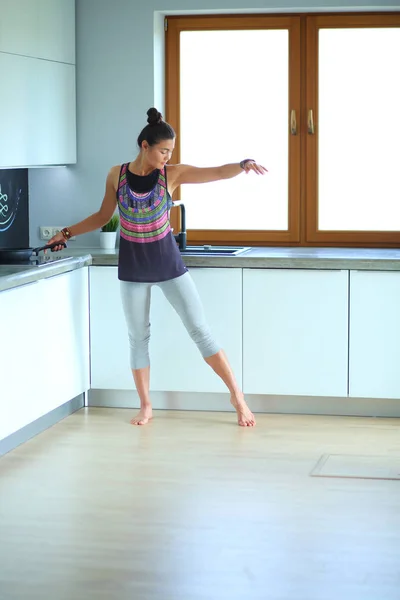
29, 431
306, 405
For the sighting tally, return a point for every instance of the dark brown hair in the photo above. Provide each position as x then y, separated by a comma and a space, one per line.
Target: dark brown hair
156, 130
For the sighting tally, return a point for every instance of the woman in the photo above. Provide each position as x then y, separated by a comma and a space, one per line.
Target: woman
149, 255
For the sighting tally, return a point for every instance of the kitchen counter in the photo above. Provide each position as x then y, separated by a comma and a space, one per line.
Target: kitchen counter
369, 259
12, 276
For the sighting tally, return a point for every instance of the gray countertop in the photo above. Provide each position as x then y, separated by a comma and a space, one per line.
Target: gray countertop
12, 276
370, 259
380, 259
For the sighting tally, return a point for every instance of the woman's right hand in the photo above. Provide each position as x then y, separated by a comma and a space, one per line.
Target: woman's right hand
57, 238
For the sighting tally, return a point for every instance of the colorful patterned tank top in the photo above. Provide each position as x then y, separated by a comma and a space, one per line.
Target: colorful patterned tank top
147, 251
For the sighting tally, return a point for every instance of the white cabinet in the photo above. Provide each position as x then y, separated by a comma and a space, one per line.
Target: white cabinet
374, 334
19, 345
39, 29
37, 112
176, 364
64, 313
109, 357
295, 332
37, 74
44, 347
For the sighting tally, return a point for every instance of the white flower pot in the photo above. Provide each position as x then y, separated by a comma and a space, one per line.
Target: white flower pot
108, 239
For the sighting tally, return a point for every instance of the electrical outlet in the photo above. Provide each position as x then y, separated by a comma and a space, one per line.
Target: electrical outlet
48, 231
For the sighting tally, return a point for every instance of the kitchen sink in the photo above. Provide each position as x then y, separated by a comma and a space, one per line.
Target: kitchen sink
214, 250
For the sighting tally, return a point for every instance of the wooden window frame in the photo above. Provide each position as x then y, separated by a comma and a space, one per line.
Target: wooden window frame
313, 234
303, 148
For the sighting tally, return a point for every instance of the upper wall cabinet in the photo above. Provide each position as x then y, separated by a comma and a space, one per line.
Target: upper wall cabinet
37, 69
38, 116
38, 28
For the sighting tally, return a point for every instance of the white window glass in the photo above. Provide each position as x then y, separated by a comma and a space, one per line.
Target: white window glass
358, 129
234, 105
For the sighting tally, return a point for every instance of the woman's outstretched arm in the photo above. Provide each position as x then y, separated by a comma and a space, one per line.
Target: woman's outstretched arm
181, 174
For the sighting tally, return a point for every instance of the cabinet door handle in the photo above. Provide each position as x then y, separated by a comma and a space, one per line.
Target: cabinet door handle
310, 122
293, 122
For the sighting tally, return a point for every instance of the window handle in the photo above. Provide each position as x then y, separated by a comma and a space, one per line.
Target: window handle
310, 122
293, 123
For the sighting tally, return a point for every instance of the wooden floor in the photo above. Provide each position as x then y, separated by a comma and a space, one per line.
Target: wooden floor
193, 507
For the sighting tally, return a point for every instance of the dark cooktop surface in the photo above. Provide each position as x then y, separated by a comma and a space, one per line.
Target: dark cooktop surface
37, 261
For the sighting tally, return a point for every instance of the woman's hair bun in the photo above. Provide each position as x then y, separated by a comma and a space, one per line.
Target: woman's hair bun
153, 116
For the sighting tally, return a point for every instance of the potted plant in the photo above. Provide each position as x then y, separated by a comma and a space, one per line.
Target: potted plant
108, 233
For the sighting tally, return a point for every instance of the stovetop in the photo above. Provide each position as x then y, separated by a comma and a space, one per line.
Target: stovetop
38, 261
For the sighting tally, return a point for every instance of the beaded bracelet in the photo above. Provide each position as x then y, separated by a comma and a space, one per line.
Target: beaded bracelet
243, 162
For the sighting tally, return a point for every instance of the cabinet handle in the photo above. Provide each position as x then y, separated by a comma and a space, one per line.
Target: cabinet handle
310, 122
293, 122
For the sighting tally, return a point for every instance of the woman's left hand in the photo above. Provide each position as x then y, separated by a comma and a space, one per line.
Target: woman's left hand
253, 166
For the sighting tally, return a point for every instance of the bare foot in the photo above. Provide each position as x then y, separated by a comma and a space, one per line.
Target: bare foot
245, 416
143, 417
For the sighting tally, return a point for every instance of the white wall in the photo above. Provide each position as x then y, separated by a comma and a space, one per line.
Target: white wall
119, 76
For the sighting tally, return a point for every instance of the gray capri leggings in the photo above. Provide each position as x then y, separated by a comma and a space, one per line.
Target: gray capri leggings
182, 294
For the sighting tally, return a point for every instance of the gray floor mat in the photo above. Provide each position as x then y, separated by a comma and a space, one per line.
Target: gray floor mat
353, 466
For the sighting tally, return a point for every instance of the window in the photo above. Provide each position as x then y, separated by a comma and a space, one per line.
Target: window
312, 98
